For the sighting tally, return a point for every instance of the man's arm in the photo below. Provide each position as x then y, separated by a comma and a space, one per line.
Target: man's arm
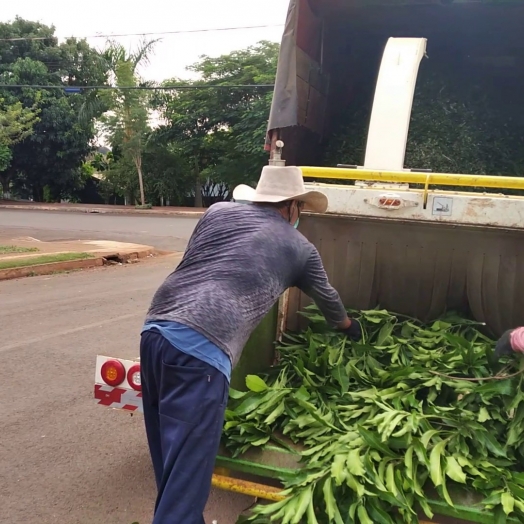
314, 283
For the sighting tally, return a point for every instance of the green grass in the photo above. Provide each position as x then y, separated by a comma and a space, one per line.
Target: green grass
4, 250
43, 259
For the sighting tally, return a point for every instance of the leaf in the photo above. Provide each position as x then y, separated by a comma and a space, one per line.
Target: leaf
249, 405
390, 479
384, 333
311, 517
331, 505
377, 514
302, 503
235, 394
491, 443
508, 502
373, 441
363, 515
354, 484
454, 471
427, 437
279, 410
483, 415
338, 469
435, 463
340, 375
354, 463
496, 387
408, 462
444, 492
255, 383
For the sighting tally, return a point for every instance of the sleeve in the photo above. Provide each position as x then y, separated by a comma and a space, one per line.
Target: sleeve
314, 282
516, 338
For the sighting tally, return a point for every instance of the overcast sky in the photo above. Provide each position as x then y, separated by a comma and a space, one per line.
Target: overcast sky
175, 52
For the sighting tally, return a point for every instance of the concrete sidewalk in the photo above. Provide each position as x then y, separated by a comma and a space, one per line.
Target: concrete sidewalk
99, 253
190, 212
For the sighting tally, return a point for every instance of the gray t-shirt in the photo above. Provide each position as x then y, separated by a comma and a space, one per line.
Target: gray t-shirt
238, 262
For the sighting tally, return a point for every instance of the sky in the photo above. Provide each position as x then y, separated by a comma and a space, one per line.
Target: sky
175, 52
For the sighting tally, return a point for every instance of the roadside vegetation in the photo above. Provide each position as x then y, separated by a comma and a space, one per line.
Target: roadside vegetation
42, 259
160, 147
7, 250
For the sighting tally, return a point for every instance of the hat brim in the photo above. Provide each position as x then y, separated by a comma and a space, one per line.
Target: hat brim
314, 201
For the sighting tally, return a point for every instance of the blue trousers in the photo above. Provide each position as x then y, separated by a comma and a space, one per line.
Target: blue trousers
184, 403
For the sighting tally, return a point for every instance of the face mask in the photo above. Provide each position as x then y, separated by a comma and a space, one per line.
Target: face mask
295, 225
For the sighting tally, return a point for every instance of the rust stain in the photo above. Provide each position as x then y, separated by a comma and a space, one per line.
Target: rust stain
477, 207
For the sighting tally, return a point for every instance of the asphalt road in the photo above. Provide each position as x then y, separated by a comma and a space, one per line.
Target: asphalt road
161, 232
63, 459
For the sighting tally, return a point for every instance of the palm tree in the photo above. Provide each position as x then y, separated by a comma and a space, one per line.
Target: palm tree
124, 106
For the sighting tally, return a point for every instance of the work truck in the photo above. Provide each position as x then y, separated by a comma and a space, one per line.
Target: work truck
407, 238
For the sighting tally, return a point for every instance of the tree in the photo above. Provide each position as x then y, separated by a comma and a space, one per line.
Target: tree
127, 117
52, 156
16, 124
168, 176
222, 130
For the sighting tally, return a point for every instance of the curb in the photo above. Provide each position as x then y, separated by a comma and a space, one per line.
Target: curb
71, 265
99, 211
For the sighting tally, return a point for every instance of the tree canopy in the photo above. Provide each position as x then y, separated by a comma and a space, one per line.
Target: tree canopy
187, 146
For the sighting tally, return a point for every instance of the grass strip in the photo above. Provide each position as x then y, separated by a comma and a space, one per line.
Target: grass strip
4, 250
44, 259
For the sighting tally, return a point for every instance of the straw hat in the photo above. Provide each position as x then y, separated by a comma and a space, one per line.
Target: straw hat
278, 184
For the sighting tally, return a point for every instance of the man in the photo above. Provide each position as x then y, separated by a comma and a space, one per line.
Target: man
238, 262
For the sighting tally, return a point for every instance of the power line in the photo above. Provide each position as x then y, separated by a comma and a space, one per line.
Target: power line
137, 88
182, 31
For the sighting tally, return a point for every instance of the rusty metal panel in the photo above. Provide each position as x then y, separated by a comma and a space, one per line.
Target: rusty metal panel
420, 269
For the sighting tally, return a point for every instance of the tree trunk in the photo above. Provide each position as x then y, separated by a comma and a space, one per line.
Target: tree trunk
198, 186
138, 164
38, 193
5, 179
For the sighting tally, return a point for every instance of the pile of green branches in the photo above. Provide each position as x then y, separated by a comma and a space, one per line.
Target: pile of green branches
410, 409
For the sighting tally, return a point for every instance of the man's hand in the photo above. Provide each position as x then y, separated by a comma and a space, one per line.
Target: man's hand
504, 347
353, 331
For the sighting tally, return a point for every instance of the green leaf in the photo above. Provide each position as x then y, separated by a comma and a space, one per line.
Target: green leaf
341, 376
235, 394
428, 435
508, 502
363, 515
302, 504
483, 415
338, 469
496, 387
491, 443
377, 514
311, 517
454, 471
255, 383
279, 410
354, 463
390, 479
331, 505
248, 405
408, 462
384, 333
373, 441
354, 484
435, 463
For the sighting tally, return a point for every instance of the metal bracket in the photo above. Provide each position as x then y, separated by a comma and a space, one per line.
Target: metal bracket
391, 113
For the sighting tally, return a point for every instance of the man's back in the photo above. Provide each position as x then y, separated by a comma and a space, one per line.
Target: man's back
240, 259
